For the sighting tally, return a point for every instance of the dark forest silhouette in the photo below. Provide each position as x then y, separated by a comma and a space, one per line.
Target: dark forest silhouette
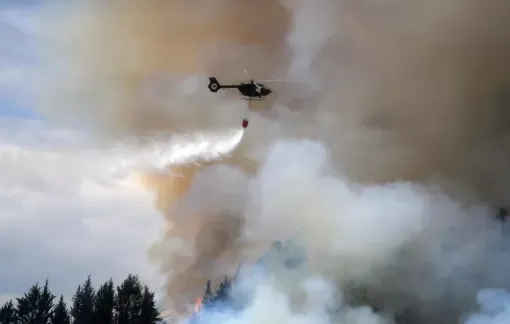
129, 303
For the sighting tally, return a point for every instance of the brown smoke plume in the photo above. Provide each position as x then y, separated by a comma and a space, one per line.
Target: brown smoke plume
120, 48
410, 90
113, 51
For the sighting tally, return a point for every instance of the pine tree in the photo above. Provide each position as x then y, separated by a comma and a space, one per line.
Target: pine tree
104, 303
35, 307
82, 311
208, 297
8, 313
77, 301
502, 214
45, 305
149, 313
27, 305
60, 313
223, 290
128, 302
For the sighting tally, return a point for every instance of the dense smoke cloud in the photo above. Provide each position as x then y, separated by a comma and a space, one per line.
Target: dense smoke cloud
122, 63
494, 307
409, 91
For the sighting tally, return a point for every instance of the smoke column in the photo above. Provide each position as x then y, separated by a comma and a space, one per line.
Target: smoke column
494, 304
405, 106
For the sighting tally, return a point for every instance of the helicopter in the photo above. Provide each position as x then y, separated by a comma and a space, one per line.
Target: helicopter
252, 90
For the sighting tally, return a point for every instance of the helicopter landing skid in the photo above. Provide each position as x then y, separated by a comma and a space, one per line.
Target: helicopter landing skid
254, 99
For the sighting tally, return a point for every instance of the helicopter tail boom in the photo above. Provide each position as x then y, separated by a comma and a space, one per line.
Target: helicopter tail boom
214, 85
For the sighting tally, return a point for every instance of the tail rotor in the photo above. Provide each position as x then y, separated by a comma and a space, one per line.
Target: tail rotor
214, 85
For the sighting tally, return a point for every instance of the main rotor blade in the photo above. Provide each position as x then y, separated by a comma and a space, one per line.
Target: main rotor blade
268, 81
248, 74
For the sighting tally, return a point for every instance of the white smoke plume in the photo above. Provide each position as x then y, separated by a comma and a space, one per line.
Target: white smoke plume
494, 307
403, 158
404, 248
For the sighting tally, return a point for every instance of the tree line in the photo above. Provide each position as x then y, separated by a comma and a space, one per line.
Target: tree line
220, 296
219, 299
129, 303
292, 256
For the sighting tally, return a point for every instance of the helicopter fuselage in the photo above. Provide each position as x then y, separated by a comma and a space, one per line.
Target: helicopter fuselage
250, 90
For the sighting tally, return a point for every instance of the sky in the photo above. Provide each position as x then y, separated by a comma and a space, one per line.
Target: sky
65, 211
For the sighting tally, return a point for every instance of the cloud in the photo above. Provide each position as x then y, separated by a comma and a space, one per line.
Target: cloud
19, 39
6, 298
21, 18
65, 215
10, 75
